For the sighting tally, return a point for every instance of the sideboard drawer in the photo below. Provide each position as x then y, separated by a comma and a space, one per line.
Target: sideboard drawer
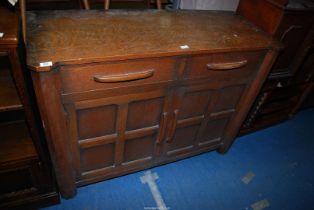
99, 76
224, 65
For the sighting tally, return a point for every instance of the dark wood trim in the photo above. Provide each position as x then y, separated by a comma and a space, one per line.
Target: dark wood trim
249, 97
56, 133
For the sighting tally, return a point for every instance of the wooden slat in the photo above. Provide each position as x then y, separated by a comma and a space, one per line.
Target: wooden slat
101, 140
9, 99
121, 127
72, 126
141, 132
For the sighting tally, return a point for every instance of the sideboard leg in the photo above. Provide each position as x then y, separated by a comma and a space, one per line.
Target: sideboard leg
48, 91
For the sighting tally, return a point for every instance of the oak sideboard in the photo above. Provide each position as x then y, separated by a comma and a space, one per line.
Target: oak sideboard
121, 91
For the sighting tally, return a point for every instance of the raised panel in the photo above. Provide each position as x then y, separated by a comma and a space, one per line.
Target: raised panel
97, 157
184, 138
228, 98
144, 113
139, 148
214, 130
194, 104
98, 121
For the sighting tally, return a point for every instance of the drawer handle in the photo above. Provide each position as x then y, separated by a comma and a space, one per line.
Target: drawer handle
124, 77
173, 126
226, 66
163, 124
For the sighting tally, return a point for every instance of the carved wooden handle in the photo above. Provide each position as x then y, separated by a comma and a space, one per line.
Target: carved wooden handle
162, 128
124, 77
226, 66
173, 126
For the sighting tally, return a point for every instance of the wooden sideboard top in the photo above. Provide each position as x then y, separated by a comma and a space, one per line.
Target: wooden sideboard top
8, 26
81, 36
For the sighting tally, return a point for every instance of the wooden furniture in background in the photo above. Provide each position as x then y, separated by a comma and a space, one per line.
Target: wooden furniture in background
306, 74
26, 178
78, 4
53, 4
290, 22
135, 94
86, 3
22, 7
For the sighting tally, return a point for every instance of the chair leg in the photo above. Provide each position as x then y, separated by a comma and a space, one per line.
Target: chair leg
107, 3
23, 17
158, 4
86, 4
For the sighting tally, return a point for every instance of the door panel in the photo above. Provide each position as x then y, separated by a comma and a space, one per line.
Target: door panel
139, 148
183, 140
214, 130
204, 112
144, 113
228, 98
88, 119
191, 104
115, 132
189, 108
91, 157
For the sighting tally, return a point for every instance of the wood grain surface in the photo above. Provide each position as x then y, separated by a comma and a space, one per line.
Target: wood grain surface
67, 37
98, 130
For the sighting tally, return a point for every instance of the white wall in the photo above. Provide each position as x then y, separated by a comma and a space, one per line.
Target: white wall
210, 4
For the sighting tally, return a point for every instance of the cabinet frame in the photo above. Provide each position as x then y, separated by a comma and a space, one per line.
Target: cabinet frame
49, 92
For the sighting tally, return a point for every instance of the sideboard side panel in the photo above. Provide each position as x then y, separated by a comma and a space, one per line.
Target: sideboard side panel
247, 100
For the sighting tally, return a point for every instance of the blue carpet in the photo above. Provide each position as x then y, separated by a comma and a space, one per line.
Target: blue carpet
280, 157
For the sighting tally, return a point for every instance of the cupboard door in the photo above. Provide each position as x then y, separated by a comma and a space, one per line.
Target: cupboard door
200, 117
112, 135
